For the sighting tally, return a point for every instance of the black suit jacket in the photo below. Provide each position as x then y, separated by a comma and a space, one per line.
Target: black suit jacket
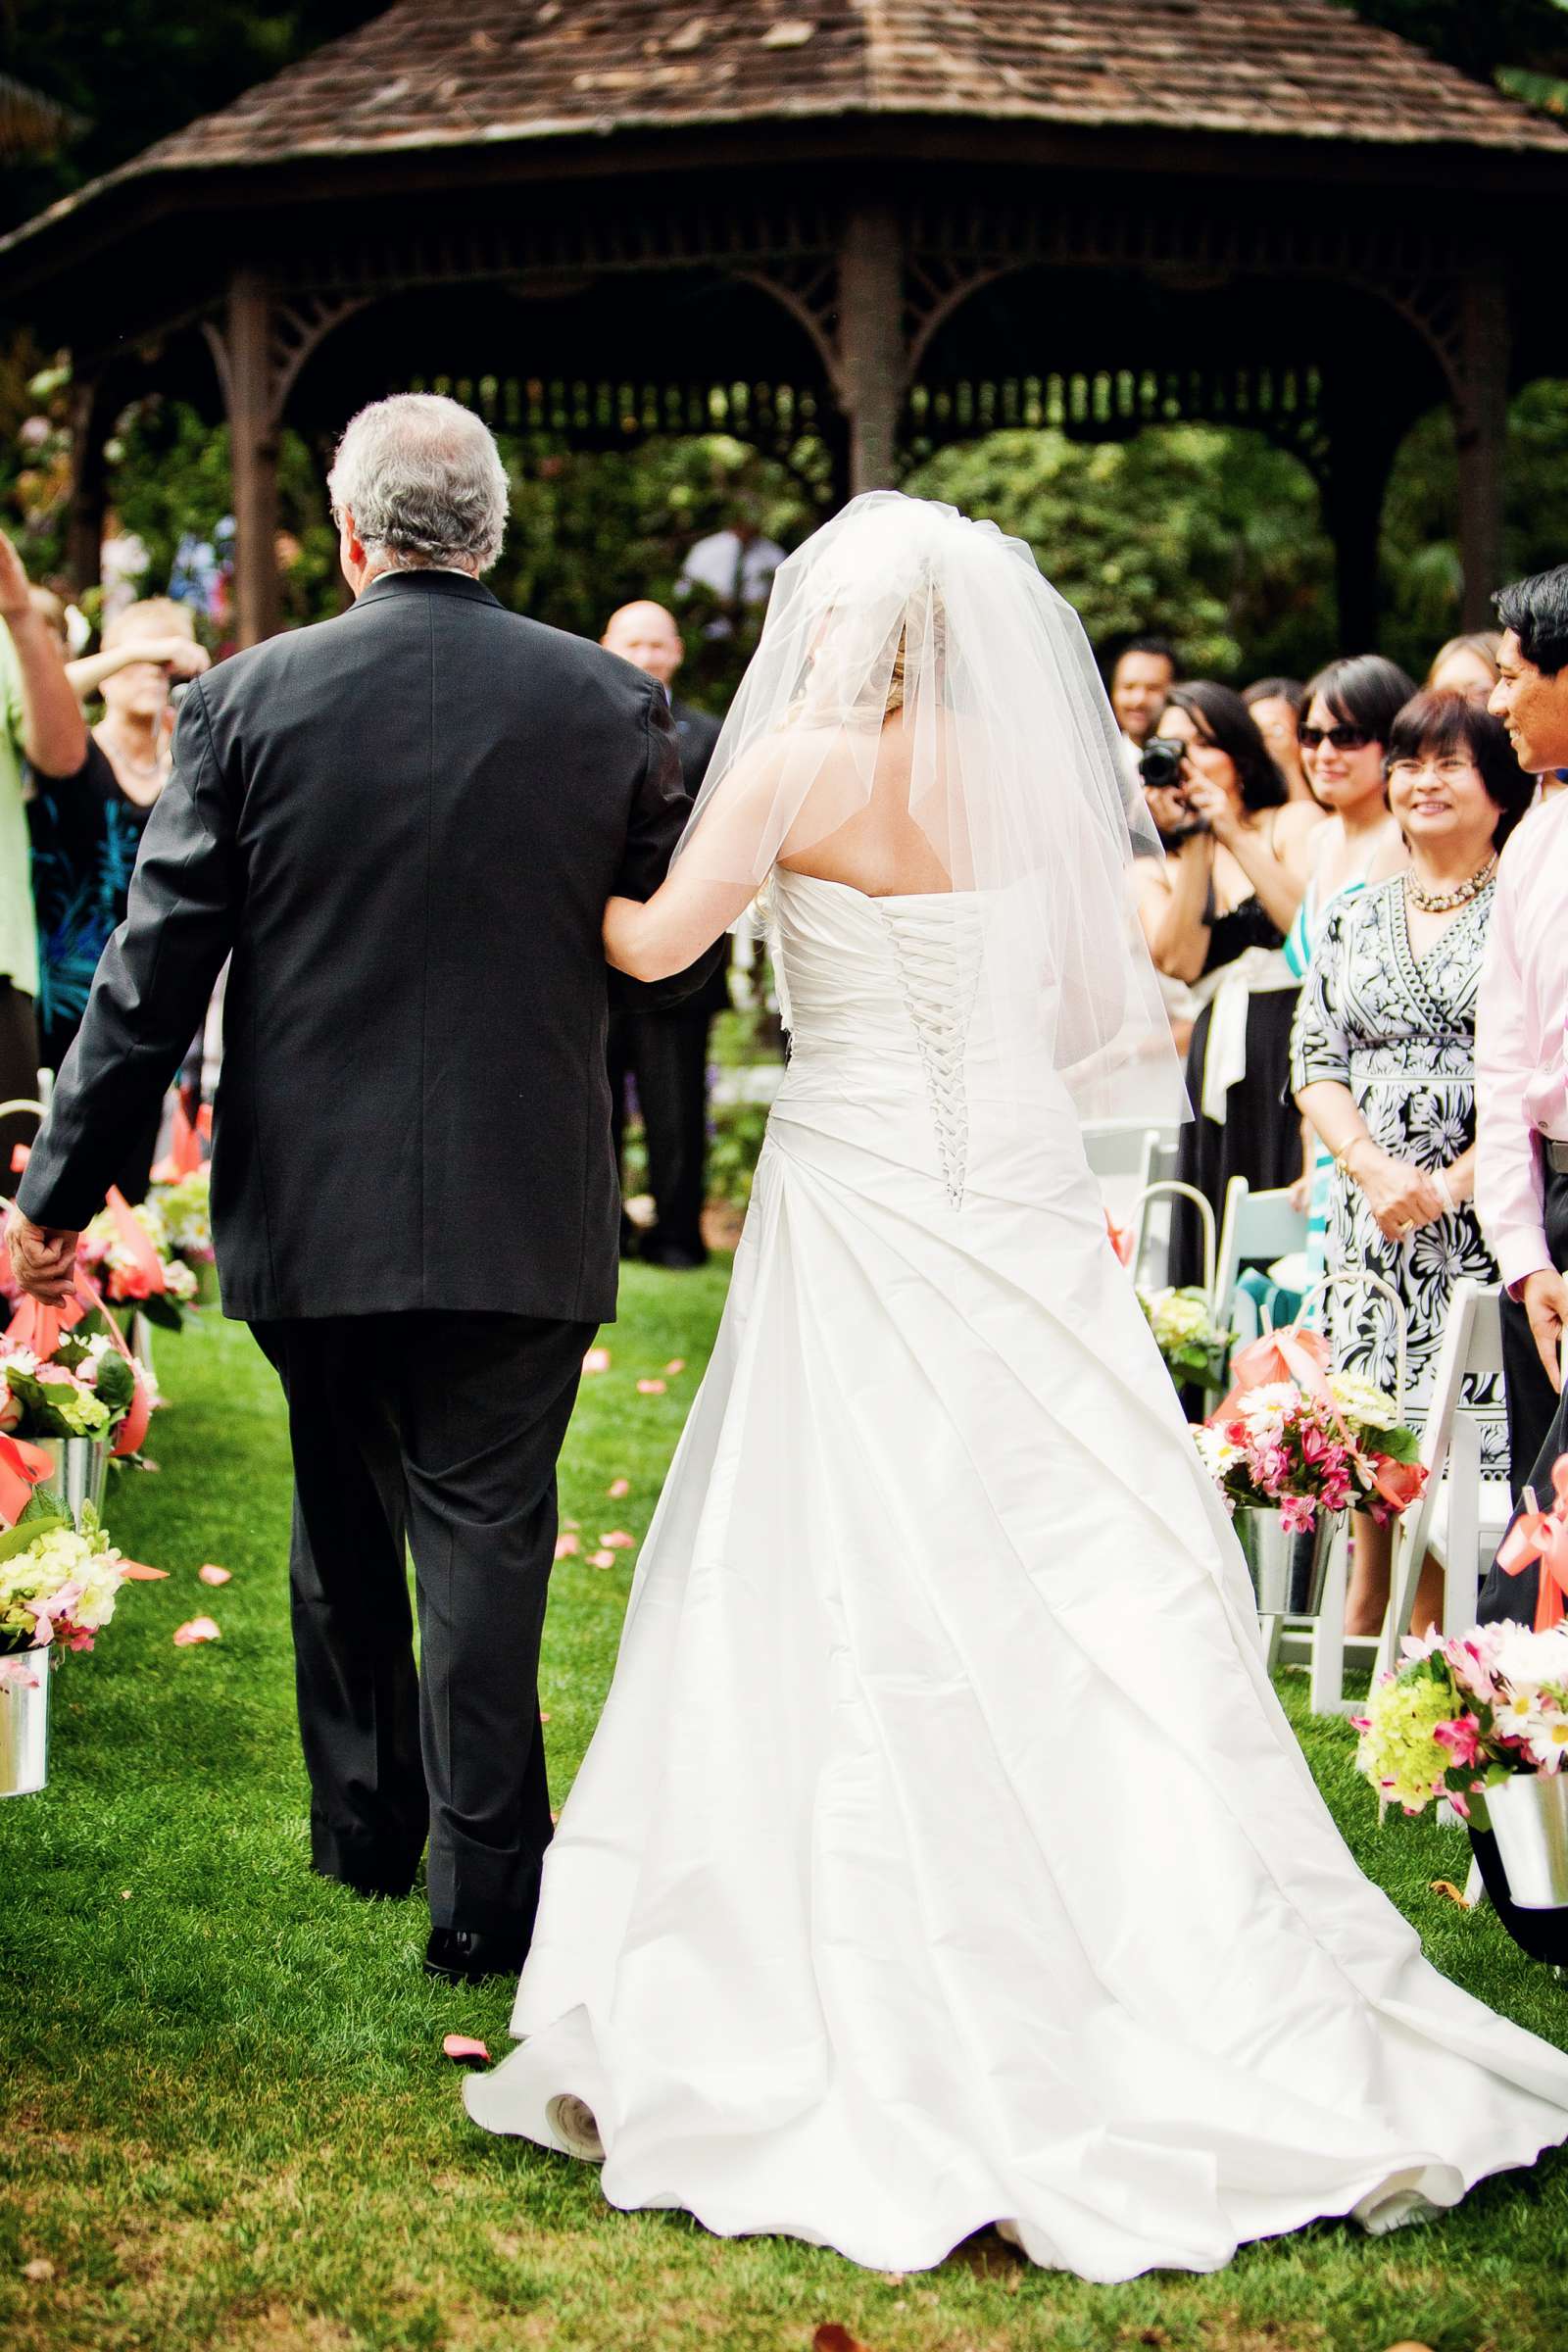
404, 824
696, 735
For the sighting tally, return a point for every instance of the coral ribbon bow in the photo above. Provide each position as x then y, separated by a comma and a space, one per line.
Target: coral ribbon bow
1542, 1536
1290, 1353
185, 1154
21, 1468
147, 1281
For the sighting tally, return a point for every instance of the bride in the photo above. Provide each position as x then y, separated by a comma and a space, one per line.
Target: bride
942, 1856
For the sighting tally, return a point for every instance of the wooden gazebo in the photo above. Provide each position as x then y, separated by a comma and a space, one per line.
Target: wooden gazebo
887, 222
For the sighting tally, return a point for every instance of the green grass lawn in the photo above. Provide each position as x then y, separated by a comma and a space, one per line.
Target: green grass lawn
226, 2117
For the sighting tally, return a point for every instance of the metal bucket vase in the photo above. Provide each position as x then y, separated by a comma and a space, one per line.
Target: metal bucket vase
1288, 1571
1528, 1814
80, 1472
24, 1723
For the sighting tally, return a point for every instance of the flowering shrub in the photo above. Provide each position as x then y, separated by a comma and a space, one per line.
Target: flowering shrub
184, 1209
1460, 1715
57, 1582
1282, 1446
1193, 1346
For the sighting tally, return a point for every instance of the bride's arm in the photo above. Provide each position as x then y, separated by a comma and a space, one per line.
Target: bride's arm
711, 882
680, 921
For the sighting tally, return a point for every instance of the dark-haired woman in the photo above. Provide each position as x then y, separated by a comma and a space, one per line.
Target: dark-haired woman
1350, 710
1216, 918
1278, 707
1382, 1063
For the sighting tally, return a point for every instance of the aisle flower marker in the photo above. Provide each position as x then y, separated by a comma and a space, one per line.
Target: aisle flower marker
1296, 1438
58, 1588
1196, 1347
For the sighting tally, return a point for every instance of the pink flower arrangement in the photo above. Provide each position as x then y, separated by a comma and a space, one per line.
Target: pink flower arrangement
1336, 1444
1460, 1714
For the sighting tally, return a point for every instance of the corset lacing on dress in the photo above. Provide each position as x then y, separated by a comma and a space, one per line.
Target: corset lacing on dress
937, 965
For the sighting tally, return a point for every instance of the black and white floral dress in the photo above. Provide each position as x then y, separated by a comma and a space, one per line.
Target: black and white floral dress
1399, 1031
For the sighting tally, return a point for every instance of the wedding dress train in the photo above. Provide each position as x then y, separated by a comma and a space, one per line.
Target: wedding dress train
942, 1856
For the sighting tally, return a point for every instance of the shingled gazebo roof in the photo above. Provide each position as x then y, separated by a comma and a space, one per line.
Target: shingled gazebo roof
508, 70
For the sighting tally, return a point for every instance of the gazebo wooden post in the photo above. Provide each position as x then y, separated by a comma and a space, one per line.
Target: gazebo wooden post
873, 358
1353, 488
253, 429
1481, 418
84, 522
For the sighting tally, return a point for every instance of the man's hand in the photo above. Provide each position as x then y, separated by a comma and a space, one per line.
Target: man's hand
43, 1261
1546, 1301
14, 600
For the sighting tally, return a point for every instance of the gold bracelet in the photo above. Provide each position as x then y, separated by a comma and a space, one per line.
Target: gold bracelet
1342, 1157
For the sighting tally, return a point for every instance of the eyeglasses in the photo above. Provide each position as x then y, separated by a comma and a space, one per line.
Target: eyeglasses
1344, 739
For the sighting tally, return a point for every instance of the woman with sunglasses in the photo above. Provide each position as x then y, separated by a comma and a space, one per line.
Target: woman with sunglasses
1215, 916
1382, 1063
1351, 708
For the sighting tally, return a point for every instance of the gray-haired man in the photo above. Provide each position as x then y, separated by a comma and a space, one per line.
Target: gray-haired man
404, 825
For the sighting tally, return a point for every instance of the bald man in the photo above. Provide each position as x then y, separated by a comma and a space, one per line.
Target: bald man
667, 1053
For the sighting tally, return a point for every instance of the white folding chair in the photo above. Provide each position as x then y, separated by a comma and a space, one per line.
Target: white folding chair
19, 1103
1255, 1228
1460, 1516
1121, 1154
1166, 1188
1321, 1641
1119, 1147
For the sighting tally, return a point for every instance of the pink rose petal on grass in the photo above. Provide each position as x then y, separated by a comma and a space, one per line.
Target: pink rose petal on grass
213, 1576
676, 1364
597, 1359
601, 1559
139, 1574
567, 1546
618, 1541
652, 1388
465, 2049
618, 1488
199, 1629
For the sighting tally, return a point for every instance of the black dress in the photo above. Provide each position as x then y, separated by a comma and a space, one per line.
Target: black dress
1261, 1137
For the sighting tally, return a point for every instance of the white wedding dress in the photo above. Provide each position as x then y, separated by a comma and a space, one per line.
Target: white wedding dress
942, 1856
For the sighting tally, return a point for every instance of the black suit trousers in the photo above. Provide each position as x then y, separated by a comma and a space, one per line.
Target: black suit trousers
667, 1053
438, 1433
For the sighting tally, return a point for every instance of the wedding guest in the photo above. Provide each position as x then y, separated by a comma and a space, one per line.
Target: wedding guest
1278, 707
1467, 666
1215, 916
1522, 1079
1349, 710
41, 724
1382, 1063
664, 1053
1141, 679
86, 828
734, 569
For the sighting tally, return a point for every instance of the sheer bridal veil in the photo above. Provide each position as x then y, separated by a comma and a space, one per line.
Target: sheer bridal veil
918, 660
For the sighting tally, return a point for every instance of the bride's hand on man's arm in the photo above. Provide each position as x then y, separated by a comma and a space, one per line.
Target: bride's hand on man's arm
678, 924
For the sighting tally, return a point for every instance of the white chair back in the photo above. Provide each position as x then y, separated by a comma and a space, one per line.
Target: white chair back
1255, 1228
1459, 1515
1169, 1188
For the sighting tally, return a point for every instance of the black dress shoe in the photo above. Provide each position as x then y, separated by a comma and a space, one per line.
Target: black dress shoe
675, 1259
468, 1955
